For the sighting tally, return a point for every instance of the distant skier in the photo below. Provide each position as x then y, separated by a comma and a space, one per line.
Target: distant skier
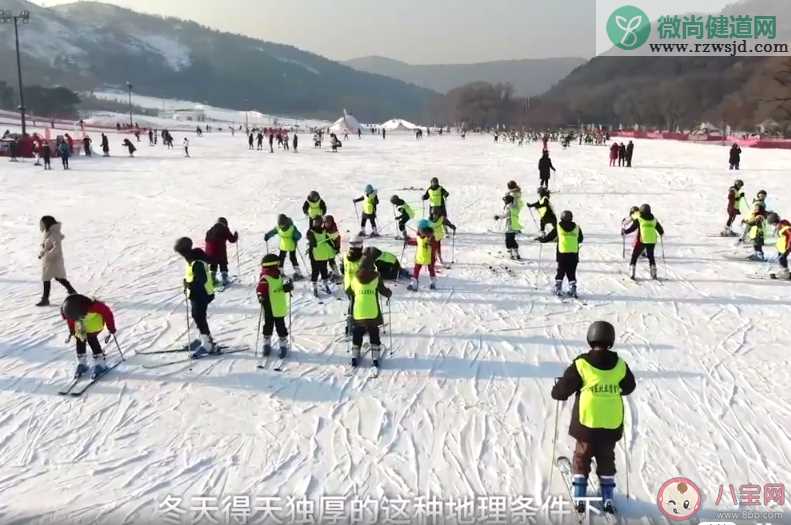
86, 145
405, 214
439, 223
424, 254
629, 153
755, 230
296, 142
735, 157
273, 295
614, 154
321, 250
622, 154
349, 266
63, 151
650, 231
436, 196
271, 142
735, 201
366, 287
569, 237
86, 318
335, 241
251, 141
186, 147
335, 142
216, 249
783, 245
546, 213
598, 379
130, 147
544, 167
260, 140
289, 237
314, 206
512, 225
51, 257
370, 202
46, 155
105, 145
199, 289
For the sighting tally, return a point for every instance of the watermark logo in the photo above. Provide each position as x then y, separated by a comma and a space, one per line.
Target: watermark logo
628, 27
679, 499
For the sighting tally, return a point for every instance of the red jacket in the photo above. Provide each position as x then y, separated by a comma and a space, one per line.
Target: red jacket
216, 238
263, 286
104, 311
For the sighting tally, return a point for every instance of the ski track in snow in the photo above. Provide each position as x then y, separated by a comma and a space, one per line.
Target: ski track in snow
461, 407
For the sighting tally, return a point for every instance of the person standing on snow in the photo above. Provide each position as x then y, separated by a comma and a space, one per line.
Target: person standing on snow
569, 237
65, 153
273, 295
366, 287
349, 266
105, 145
545, 211
598, 379
86, 318
186, 147
735, 198
735, 157
289, 236
370, 201
544, 167
199, 290
424, 254
650, 232
629, 154
314, 206
51, 256
320, 250
405, 214
512, 225
216, 249
436, 196
783, 245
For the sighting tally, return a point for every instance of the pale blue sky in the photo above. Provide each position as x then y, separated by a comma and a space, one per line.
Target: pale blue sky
416, 31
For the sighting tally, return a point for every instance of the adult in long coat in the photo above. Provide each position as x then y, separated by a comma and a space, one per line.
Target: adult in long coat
51, 256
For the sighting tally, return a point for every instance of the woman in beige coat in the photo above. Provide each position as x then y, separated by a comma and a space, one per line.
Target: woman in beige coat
51, 255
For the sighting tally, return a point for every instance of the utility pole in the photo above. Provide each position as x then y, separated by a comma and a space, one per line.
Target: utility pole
24, 17
129, 87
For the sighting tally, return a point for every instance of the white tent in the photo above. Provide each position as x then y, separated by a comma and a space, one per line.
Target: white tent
398, 124
346, 124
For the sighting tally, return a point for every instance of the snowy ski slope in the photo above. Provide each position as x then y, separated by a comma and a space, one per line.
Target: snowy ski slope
462, 406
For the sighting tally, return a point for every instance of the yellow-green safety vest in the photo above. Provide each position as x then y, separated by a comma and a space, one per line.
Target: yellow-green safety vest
277, 296
324, 250
781, 244
424, 250
439, 229
568, 242
92, 323
408, 209
287, 242
349, 271
600, 402
756, 228
314, 209
366, 299
516, 226
435, 197
648, 234
189, 277
387, 258
368, 204
543, 206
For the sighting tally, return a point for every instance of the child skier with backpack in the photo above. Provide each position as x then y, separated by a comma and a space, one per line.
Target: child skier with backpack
86, 318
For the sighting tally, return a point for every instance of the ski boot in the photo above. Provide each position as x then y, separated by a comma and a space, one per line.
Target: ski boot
99, 366
362, 233
757, 256
580, 487
283, 344
266, 351
633, 272
43, 302
376, 350
225, 281
355, 356
433, 284
412, 286
214, 277
327, 288
652, 269
374, 232
573, 289
297, 275
511, 254
516, 254
558, 288
82, 366
607, 484
316, 290
206, 347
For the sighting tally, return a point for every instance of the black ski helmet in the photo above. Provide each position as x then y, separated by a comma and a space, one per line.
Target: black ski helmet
542, 191
223, 221
282, 220
316, 222
738, 183
75, 306
601, 334
183, 245
313, 196
762, 192
512, 185
645, 209
270, 259
508, 199
395, 200
773, 218
566, 216
372, 253
633, 209
434, 181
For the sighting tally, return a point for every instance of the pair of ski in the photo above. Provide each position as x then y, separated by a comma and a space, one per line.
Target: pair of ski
266, 362
79, 386
222, 350
564, 467
373, 371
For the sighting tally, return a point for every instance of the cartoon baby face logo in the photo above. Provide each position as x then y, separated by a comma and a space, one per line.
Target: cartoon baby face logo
679, 499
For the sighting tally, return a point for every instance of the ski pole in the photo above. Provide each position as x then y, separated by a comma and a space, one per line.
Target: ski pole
238, 264
258, 329
123, 358
356, 212
664, 261
623, 246
290, 334
390, 325
538, 270
554, 445
267, 245
187, 306
453, 248
626, 459
533, 217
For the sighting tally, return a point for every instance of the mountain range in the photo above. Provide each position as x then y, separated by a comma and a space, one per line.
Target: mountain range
529, 77
87, 45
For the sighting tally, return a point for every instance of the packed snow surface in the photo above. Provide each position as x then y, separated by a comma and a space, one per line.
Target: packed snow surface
462, 406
